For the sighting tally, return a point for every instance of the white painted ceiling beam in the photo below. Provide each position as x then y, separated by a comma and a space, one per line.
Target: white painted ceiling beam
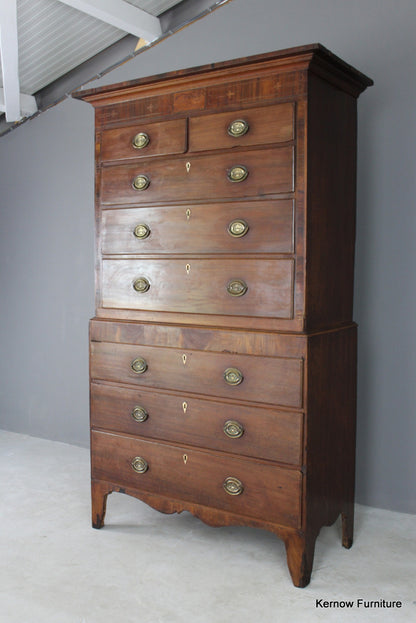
120, 14
28, 105
9, 60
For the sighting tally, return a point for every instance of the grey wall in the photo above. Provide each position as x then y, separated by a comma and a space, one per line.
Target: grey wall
46, 281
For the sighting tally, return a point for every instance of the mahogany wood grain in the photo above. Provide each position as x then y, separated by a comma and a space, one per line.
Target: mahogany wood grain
200, 229
271, 493
291, 334
299, 224
267, 87
271, 380
267, 433
330, 227
214, 517
200, 286
331, 378
251, 323
166, 137
299, 547
271, 124
300, 550
99, 494
270, 172
268, 344
278, 64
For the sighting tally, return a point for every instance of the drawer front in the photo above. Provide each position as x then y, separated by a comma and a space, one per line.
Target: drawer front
198, 177
260, 227
201, 286
271, 380
143, 140
254, 126
269, 492
249, 431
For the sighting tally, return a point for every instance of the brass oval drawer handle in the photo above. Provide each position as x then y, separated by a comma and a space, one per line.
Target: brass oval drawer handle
141, 182
141, 140
238, 173
139, 464
233, 429
238, 228
139, 365
139, 414
237, 287
233, 376
141, 231
238, 127
233, 486
141, 285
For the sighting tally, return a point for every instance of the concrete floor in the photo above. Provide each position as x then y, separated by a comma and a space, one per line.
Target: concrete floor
148, 567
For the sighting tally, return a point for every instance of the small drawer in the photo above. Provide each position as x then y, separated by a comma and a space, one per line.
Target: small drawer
252, 126
244, 174
237, 485
270, 380
238, 287
260, 227
180, 418
144, 140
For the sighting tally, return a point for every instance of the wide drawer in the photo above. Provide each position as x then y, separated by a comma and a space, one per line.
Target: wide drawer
268, 492
271, 380
260, 227
144, 139
199, 177
201, 286
253, 126
250, 431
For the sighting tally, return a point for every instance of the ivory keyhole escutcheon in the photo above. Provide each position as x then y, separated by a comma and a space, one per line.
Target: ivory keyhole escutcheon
184, 406
185, 458
184, 358
188, 214
188, 167
188, 269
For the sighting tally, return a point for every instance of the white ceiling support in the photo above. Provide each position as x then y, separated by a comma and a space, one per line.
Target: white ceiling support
120, 14
9, 59
28, 104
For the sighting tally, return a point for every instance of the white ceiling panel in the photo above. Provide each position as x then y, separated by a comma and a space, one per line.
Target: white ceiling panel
155, 7
62, 44
54, 38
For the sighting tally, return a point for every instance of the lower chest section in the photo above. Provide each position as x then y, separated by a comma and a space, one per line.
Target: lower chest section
210, 417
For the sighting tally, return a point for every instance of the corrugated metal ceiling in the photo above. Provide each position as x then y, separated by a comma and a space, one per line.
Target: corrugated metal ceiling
54, 38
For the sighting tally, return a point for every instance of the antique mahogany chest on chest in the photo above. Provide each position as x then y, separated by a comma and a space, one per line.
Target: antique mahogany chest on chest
223, 351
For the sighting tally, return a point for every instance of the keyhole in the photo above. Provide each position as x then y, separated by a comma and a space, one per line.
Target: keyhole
188, 167
188, 269
184, 406
184, 358
188, 214
185, 458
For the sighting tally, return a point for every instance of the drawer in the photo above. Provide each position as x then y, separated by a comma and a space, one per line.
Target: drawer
253, 126
201, 286
151, 139
249, 431
269, 170
272, 380
268, 492
260, 227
